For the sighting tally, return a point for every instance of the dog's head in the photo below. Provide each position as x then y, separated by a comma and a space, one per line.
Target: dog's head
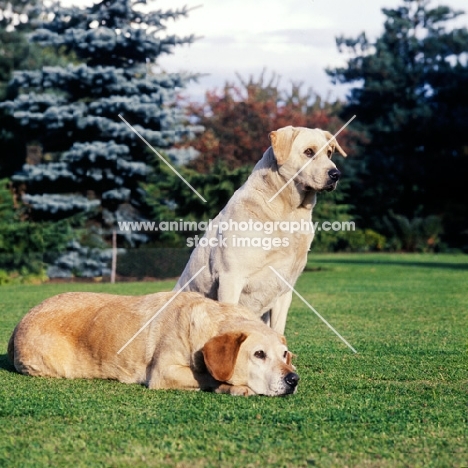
259, 361
296, 147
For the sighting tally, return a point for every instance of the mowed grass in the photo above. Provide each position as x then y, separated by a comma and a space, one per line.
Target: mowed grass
401, 401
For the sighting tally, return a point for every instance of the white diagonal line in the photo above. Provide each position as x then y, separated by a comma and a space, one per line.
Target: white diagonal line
161, 309
310, 160
161, 158
313, 310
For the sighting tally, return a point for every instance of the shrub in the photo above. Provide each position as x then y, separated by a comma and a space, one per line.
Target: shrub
153, 262
417, 234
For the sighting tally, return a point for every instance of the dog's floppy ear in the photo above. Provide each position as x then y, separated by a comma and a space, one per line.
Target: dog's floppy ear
289, 355
334, 144
220, 354
281, 142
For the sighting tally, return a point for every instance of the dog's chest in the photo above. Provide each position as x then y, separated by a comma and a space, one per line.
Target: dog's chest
265, 285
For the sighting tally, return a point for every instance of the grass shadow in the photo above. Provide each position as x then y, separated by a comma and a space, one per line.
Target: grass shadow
453, 266
6, 364
315, 268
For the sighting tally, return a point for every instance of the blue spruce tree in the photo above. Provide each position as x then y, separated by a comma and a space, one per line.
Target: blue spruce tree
93, 163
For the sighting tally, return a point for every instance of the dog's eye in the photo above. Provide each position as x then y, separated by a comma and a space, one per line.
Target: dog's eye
329, 153
309, 152
260, 354
285, 355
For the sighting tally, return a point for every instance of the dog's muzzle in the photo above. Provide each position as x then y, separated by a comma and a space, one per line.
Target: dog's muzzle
334, 174
291, 381
333, 178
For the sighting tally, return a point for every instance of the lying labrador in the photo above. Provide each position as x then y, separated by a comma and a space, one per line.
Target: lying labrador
238, 272
193, 343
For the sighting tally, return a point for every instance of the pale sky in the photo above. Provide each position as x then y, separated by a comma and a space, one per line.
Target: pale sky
294, 38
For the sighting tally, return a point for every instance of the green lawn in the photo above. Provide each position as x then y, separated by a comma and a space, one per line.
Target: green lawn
401, 401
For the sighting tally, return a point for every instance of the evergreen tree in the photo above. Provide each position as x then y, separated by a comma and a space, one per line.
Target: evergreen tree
14, 49
93, 162
16, 53
26, 246
411, 98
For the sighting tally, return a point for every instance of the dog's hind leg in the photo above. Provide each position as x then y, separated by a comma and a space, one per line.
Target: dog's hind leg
279, 312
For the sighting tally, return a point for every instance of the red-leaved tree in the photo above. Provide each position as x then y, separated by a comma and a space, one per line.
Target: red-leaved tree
239, 117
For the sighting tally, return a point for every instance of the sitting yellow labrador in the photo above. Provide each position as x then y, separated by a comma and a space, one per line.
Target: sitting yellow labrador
193, 343
238, 254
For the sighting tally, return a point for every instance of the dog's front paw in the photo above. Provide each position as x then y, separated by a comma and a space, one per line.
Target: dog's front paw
237, 390
241, 390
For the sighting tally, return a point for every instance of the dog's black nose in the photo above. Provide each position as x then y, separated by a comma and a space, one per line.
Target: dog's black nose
292, 379
334, 174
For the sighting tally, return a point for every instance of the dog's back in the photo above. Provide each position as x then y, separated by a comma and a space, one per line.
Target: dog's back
78, 335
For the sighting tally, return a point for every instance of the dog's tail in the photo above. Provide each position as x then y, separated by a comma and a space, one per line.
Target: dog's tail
11, 347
